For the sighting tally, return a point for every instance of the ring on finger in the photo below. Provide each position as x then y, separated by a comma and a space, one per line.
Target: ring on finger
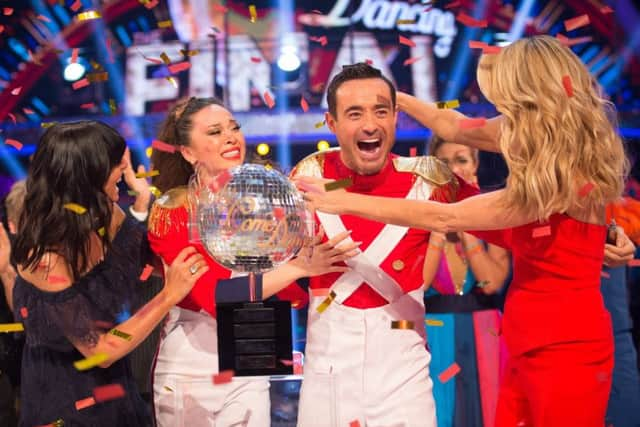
194, 268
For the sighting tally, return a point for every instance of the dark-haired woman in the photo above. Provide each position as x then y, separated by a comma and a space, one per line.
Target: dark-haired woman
210, 141
78, 260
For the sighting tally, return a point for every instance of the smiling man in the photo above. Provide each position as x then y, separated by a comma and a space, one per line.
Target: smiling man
366, 354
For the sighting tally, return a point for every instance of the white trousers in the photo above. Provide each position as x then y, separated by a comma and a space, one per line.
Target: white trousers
183, 391
358, 368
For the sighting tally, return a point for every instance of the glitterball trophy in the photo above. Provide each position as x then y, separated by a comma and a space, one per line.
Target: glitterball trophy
251, 220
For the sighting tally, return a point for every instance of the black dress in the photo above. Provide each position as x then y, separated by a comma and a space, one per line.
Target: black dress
101, 299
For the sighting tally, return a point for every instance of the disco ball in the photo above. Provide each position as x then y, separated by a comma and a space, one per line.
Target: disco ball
253, 220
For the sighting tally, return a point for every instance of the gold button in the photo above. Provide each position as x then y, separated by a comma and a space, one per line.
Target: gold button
397, 265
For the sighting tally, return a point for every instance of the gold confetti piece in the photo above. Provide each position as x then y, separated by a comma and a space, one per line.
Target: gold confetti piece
46, 125
74, 207
149, 174
405, 21
165, 24
95, 65
155, 191
319, 124
335, 185
91, 362
132, 193
253, 13
454, 103
402, 324
223, 377
189, 52
112, 106
449, 373
165, 58
120, 334
328, 300
11, 327
101, 231
85, 403
433, 322
88, 15
168, 389
173, 81
98, 77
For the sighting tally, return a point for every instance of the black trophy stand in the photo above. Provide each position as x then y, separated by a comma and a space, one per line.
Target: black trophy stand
254, 337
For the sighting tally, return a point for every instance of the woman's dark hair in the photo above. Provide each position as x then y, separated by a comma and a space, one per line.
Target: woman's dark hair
71, 165
175, 130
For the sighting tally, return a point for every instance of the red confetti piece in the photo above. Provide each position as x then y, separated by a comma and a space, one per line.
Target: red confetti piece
413, 151
12, 117
572, 42
605, 10
319, 292
163, 146
8, 11
568, 87
411, 60
28, 111
223, 377
472, 123
16, 91
151, 4
354, 423
80, 84
148, 269
108, 392
220, 181
322, 40
605, 274
256, 59
85, 403
269, 100
74, 55
487, 49
76, 5
541, 231
449, 373
87, 106
406, 41
180, 66
24, 312
14, 143
304, 104
586, 189
278, 212
56, 280
220, 8
1, 29
43, 18
577, 22
634, 263
286, 362
475, 44
452, 5
470, 21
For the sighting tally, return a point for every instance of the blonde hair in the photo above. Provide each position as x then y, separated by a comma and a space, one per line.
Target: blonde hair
15, 201
554, 144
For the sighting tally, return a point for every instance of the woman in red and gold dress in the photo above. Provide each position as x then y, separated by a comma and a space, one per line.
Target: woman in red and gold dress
566, 163
208, 139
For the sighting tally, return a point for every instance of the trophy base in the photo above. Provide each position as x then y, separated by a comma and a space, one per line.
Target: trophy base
254, 338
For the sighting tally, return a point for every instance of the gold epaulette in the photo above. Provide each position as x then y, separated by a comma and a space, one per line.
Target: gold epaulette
312, 165
160, 216
430, 169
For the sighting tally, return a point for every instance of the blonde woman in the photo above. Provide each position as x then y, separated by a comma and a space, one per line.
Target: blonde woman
566, 162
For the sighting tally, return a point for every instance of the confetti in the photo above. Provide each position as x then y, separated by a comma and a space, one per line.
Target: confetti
155, 191
189, 53
43, 18
14, 143
112, 105
148, 269
91, 362
319, 292
572, 42
7, 11
108, 392
180, 66
88, 15
150, 4
369, 61
405, 21
220, 8
56, 280
13, 119
80, 84
76, 5
472, 123
132, 193
269, 100
631, 263
165, 24
87, 106
168, 389
24, 312
488, 50
322, 40
406, 41
452, 5
568, 87
402, 324
74, 207
172, 81
586, 189
11, 327
475, 44
454, 103
278, 213
148, 174
577, 22
85, 403
16, 91
319, 124
433, 322
449, 373
328, 300
98, 77
541, 231
74, 55
286, 362
220, 181
1, 29
335, 185
163, 146
605, 10
223, 377
46, 125
354, 423
165, 58
256, 59
28, 111
411, 60
95, 65
253, 13
605, 275
470, 21
120, 334
304, 104
101, 231
413, 151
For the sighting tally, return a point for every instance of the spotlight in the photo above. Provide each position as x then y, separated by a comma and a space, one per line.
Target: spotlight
74, 71
288, 59
323, 145
263, 149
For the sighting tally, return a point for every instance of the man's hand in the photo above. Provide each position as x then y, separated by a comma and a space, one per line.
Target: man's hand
622, 252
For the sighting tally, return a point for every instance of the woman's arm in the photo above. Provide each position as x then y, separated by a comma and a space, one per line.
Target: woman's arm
489, 266
432, 258
446, 123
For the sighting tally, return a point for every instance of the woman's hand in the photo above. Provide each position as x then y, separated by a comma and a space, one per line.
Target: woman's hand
183, 273
320, 258
622, 252
139, 185
318, 198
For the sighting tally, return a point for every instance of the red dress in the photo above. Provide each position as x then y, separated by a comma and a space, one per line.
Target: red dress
555, 324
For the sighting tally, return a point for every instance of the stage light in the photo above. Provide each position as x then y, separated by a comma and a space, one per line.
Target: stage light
263, 149
74, 71
323, 145
288, 59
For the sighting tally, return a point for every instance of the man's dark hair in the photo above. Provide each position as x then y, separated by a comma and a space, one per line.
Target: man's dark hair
358, 71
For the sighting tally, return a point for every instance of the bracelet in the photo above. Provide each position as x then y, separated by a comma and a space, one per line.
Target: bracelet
474, 250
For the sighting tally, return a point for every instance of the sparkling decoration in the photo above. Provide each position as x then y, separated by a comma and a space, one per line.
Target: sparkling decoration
254, 222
